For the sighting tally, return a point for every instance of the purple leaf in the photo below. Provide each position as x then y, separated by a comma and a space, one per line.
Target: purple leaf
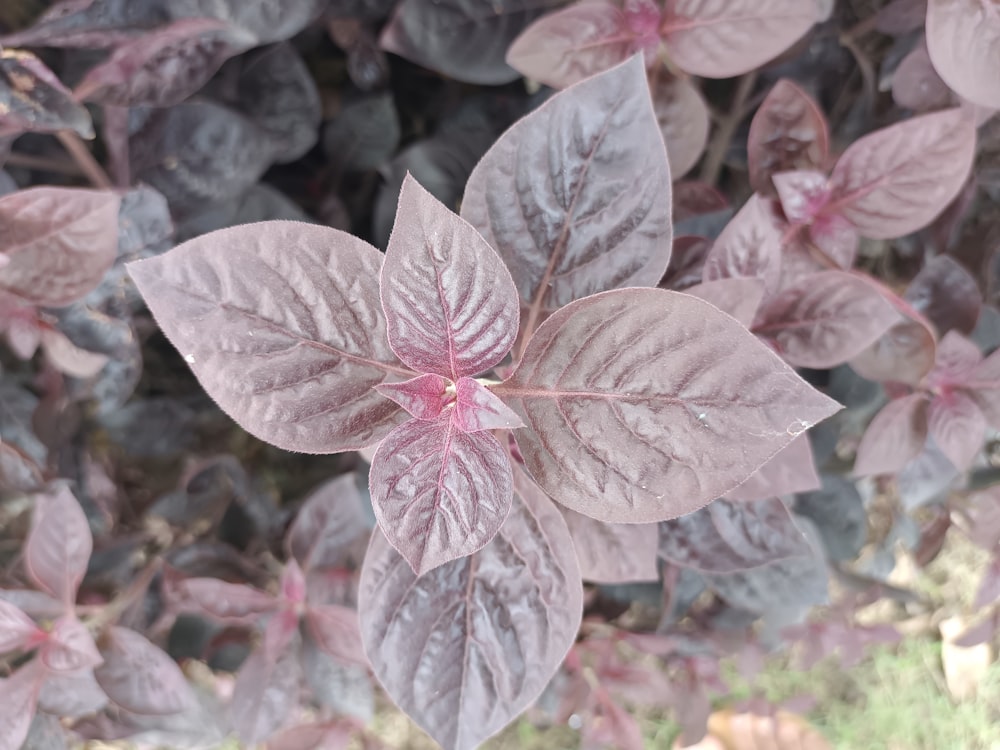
59, 545
72, 696
450, 304
962, 39
613, 552
574, 43
87, 23
788, 132
725, 536
477, 409
917, 85
900, 17
898, 179
332, 518
281, 323
33, 98
164, 67
230, 603
423, 397
824, 319
439, 493
364, 134
466, 648
792, 470
669, 404
840, 517
18, 699
268, 20
895, 435
684, 120
749, 247
17, 630
904, 353
989, 588
59, 241
139, 676
739, 297
462, 39
803, 194
598, 217
335, 630
947, 295
958, 427
70, 647
722, 40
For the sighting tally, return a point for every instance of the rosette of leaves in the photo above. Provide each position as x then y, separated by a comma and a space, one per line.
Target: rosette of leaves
502, 361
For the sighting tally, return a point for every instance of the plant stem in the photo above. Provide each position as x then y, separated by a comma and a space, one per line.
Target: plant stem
716, 155
84, 159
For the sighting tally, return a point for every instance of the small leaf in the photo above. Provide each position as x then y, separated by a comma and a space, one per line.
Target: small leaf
59, 545
332, 518
613, 552
788, 132
17, 630
904, 354
895, 435
840, 516
335, 630
33, 98
423, 397
70, 647
450, 304
748, 247
267, 20
364, 134
18, 699
917, 85
739, 297
962, 39
281, 323
958, 427
792, 470
722, 40
140, 677
947, 295
439, 493
669, 404
477, 409
60, 242
726, 536
898, 179
684, 120
469, 646
72, 696
824, 319
230, 603
603, 220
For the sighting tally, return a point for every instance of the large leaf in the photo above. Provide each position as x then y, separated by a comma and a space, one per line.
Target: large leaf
59, 241
467, 647
725, 38
613, 552
726, 536
581, 40
449, 301
963, 37
464, 39
33, 98
139, 676
824, 319
895, 435
439, 493
896, 180
749, 247
59, 544
576, 196
788, 132
644, 404
281, 323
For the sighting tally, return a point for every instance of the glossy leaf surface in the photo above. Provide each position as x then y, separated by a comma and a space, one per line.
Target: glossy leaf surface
139, 676
739, 297
439, 493
726, 536
467, 647
296, 365
59, 544
597, 216
963, 37
896, 180
668, 405
450, 304
749, 247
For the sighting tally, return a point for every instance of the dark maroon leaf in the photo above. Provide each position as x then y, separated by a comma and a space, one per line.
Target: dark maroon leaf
962, 38
788, 132
726, 536
896, 180
604, 220
681, 415
477, 409
364, 134
18, 472
295, 367
33, 98
958, 427
989, 587
332, 518
721, 40
899, 17
230, 603
335, 630
439, 493
916, 84
749, 247
89, 23
904, 353
947, 295
686, 263
840, 517
139, 677
613, 552
18, 698
59, 242
450, 304
791, 470
59, 545
267, 20
463, 39
739, 297
164, 67
895, 436
70, 647
467, 647
824, 319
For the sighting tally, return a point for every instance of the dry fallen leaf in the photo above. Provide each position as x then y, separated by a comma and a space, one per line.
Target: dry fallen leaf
728, 730
964, 668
